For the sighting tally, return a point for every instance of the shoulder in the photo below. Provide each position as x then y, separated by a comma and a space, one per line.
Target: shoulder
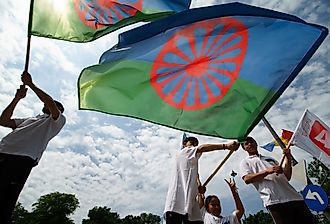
60, 121
245, 161
269, 159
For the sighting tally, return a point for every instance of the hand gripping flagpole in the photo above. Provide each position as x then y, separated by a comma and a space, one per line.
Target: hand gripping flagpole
277, 139
218, 168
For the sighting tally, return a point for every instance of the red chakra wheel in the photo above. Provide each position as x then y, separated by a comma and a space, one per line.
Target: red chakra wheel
99, 13
197, 65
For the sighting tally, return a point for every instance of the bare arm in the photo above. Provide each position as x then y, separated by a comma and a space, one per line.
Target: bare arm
212, 147
200, 197
238, 202
5, 118
255, 177
287, 169
44, 97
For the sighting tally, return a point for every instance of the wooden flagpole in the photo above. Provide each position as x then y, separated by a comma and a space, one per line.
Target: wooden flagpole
218, 168
277, 139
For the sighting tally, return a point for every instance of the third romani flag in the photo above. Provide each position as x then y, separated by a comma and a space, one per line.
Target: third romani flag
313, 136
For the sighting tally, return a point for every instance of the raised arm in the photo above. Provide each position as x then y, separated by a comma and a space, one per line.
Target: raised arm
254, 177
287, 169
239, 205
201, 197
211, 147
5, 118
44, 97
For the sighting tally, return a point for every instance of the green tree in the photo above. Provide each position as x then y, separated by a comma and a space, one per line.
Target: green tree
141, 219
20, 215
101, 215
321, 173
131, 219
260, 217
54, 208
150, 218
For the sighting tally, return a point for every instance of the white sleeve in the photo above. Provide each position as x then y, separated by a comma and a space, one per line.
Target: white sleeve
192, 152
60, 121
203, 210
233, 218
245, 168
19, 121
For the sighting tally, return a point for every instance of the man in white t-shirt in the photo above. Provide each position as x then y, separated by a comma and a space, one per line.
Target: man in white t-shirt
283, 202
181, 204
22, 148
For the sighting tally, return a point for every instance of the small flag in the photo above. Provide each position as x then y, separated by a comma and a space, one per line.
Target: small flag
313, 136
269, 146
214, 70
285, 137
87, 20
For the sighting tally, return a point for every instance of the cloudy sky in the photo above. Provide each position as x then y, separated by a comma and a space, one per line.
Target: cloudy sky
124, 163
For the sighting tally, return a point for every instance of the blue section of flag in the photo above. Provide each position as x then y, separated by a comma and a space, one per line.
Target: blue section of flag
269, 146
279, 45
173, 5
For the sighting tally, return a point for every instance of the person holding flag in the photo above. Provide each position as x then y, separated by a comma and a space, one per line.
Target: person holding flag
22, 148
271, 180
181, 204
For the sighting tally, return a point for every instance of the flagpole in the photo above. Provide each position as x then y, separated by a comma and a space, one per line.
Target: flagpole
277, 138
218, 168
27, 55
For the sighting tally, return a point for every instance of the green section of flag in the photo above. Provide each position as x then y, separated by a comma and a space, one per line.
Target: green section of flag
60, 20
123, 88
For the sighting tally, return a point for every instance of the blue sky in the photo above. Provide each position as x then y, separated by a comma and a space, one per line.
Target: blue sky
124, 163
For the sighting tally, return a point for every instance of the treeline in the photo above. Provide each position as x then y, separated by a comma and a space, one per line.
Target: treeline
56, 208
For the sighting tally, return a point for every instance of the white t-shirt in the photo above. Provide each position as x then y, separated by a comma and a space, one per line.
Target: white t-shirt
274, 188
211, 219
183, 189
31, 136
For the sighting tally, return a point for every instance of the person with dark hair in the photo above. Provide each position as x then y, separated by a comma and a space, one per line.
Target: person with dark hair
271, 180
211, 208
22, 148
181, 204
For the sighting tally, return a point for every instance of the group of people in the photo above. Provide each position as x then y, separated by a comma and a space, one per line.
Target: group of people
22, 149
185, 198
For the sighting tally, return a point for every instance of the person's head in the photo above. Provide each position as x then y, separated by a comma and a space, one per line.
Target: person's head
250, 146
212, 205
58, 104
190, 141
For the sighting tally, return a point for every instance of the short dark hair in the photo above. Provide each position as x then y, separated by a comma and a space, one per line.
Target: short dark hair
193, 140
59, 106
249, 138
208, 200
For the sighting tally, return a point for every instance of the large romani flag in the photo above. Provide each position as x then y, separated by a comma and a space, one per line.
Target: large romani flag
87, 20
214, 71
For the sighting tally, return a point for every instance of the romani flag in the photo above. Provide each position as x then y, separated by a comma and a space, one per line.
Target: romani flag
213, 71
87, 20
